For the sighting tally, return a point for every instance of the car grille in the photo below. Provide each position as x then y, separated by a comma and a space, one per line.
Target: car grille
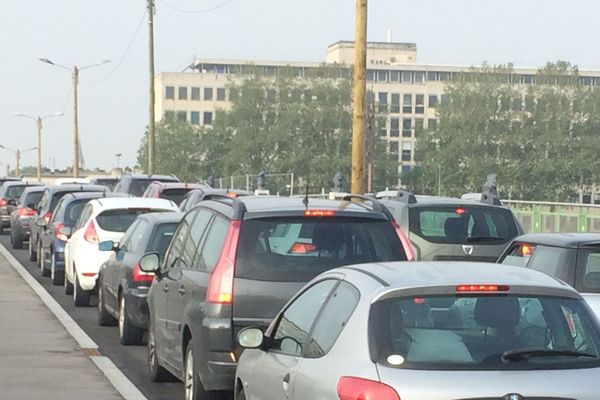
465, 258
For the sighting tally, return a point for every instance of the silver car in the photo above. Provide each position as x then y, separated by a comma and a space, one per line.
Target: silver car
425, 331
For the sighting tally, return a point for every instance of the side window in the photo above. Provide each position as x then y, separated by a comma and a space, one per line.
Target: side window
291, 334
588, 271
196, 232
57, 211
43, 201
176, 247
137, 242
211, 249
552, 261
518, 255
85, 215
126, 239
332, 320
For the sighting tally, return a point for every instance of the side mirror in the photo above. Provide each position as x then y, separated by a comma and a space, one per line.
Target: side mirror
107, 245
65, 231
250, 338
150, 262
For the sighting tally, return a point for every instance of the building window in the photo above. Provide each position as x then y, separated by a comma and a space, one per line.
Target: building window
405, 169
208, 118
382, 76
394, 147
382, 100
394, 76
182, 116
170, 92
433, 100
406, 127
395, 127
585, 80
395, 107
528, 79
419, 77
220, 94
195, 117
418, 126
406, 77
432, 76
406, 151
432, 124
407, 104
182, 95
444, 76
420, 106
208, 93
195, 93
370, 75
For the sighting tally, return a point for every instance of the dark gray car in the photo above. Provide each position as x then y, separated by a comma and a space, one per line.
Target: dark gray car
21, 216
10, 192
136, 184
192, 198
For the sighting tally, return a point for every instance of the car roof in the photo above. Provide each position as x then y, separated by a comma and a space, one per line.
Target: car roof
162, 217
134, 202
21, 183
154, 176
180, 185
282, 204
35, 188
78, 187
567, 239
93, 195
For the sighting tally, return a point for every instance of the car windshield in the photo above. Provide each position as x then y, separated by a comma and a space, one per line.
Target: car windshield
463, 224
175, 195
483, 333
119, 220
297, 249
161, 238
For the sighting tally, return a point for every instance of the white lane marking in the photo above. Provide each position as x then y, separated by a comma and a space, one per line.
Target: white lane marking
120, 382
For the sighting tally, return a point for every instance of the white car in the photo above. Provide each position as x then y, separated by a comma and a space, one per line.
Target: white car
100, 220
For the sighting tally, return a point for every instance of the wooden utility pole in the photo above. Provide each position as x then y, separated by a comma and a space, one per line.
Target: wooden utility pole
38, 123
151, 137
358, 99
18, 167
75, 124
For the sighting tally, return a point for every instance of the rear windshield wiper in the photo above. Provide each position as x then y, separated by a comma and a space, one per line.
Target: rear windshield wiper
475, 239
520, 355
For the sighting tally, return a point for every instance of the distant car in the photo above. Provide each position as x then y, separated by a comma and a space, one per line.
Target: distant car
136, 184
192, 198
236, 261
22, 215
571, 257
51, 251
122, 286
70, 181
451, 229
109, 182
425, 331
10, 192
174, 191
44, 210
9, 179
100, 220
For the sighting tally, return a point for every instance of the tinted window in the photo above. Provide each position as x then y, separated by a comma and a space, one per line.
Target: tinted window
14, 192
110, 183
85, 215
553, 261
297, 249
137, 187
32, 198
589, 271
124, 244
195, 235
294, 325
479, 333
211, 250
137, 240
463, 224
55, 198
175, 195
119, 220
176, 245
161, 238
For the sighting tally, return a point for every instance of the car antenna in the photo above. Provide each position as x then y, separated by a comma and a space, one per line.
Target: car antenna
305, 200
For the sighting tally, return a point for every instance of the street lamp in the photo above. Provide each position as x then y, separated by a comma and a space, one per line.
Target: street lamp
18, 156
75, 77
38, 123
118, 155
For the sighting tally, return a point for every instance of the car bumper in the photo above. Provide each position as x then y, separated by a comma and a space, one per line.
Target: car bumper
88, 265
59, 259
5, 220
137, 306
220, 371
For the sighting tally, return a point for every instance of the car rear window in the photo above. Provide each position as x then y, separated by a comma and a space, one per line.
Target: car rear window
463, 224
161, 238
119, 220
138, 186
175, 195
483, 333
33, 198
14, 191
297, 249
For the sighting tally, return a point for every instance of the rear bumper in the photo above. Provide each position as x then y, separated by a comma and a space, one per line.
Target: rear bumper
217, 371
137, 306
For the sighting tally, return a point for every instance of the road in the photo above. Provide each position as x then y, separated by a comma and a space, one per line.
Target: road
131, 360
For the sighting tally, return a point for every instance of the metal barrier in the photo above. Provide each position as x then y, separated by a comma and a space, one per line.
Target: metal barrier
556, 217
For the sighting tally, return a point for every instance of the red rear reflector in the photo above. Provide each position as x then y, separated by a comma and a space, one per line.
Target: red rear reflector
481, 288
527, 250
59, 235
140, 276
350, 388
90, 233
302, 248
460, 211
89, 274
220, 287
3, 202
25, 212
319, 213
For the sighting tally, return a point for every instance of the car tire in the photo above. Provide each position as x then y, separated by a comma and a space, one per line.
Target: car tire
57, 277
81, 298
194, 390
129, 334
157, 372
68, 285
42, 261
32, 254
104, 317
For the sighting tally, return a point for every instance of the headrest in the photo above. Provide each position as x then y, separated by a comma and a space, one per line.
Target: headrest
497, 312
328, 236
454, 228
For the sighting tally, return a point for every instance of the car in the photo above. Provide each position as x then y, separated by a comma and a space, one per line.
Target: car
70, 181
572, 257
100, 220
441, 228
175, 191
122, 286
21, 216
51, 249
44, 210
109, 182
425, 330
9, 179
10, 192
193, 197
236, 261
136, 184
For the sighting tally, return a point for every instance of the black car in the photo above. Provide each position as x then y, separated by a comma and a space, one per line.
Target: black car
21, 216
108, 182
122, 286
136, 184
235, 262
10, 192
45, 208
192, 198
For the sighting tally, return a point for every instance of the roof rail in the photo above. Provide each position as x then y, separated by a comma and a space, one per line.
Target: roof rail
406, 197
376, 205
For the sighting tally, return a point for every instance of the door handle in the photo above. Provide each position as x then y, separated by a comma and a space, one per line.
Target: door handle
165, 288
181, 290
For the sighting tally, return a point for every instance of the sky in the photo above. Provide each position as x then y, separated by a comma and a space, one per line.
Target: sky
113, 98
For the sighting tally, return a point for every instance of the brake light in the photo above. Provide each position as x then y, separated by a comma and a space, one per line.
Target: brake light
89, 274
90, 233
419, 300
3, 202
410, 253
351, 388
220, 287
25, 212
460, 211
527, 250
140, 276
57, 233
47, 217
482, 288
319, 213
302, 248
231, 195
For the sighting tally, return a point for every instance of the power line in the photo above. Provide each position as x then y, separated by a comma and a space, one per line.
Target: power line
195, 11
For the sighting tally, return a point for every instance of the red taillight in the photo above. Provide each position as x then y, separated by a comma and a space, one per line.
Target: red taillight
3, 202
220, 287
47, 217
140, 276
319, 213
527, 250
89, 274
302, 248
481, 288
410, 253
460, 211
350, 388
90, 233
25, 212
57, 233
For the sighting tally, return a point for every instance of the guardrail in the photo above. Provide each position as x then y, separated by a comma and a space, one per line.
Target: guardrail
547, 217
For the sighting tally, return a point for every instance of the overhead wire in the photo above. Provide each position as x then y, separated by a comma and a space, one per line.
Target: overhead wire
206, 10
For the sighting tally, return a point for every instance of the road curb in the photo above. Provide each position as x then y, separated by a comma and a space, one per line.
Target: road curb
120, 382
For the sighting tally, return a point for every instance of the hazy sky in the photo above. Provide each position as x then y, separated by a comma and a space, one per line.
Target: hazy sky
113, 97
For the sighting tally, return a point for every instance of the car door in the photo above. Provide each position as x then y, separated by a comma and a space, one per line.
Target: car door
34, 227
111, 273
272, 372
46, 233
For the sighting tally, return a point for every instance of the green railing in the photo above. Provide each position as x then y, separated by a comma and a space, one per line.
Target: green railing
556, 217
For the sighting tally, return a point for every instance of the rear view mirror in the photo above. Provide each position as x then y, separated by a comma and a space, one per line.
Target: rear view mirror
150, 262
65, 231
107, 245
250, 338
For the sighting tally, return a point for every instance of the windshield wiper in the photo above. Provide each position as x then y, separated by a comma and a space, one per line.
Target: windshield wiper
520, 355
474, 239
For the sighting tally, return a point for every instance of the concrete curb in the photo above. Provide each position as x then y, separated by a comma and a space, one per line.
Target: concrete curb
119, 381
